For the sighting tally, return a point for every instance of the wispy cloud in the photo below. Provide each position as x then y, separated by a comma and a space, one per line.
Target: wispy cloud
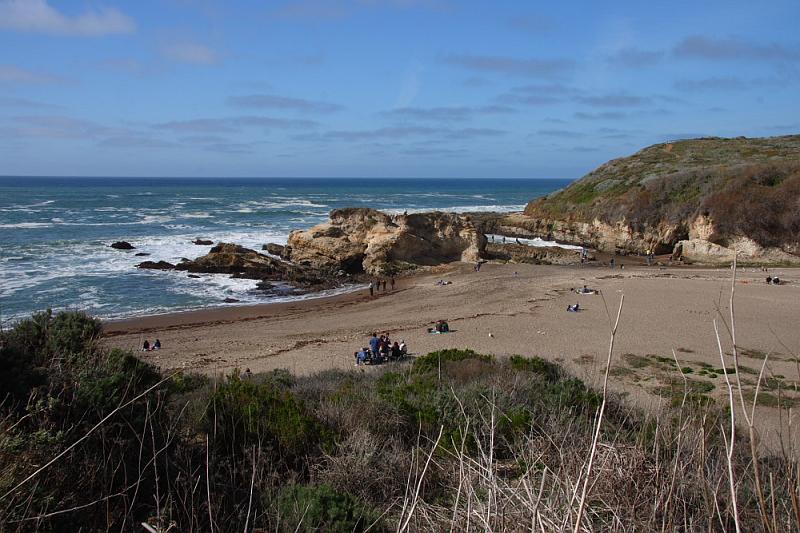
338, 9
62, 127
733, 48
635, 57
192, 53
38, 16
548, 68
446, 113
537, 94
567, 134
136, 141
270, 101
717, 83
613, 100
10, 74
603, 115
24, 103
404, 132
231, 124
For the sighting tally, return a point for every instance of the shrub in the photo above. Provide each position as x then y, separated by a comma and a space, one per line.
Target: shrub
431, 362
321, 508
550, 371
243, 413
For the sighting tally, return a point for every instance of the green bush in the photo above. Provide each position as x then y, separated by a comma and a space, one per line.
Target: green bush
243, 413
321, 508
431, 362
550, 371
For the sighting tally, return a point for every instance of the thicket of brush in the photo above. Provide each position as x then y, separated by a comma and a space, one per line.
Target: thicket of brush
94, 439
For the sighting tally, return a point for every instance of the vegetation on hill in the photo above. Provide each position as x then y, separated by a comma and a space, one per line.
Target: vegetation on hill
95, 440
748, 187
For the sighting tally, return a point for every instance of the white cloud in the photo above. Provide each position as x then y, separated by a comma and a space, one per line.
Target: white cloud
39, 17
192, 53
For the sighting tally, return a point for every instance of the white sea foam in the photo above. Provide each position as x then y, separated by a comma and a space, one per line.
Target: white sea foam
536, 242
27, 225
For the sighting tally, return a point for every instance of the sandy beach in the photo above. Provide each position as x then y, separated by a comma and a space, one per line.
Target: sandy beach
508, 309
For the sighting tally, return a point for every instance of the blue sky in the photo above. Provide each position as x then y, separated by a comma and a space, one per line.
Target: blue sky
382, 88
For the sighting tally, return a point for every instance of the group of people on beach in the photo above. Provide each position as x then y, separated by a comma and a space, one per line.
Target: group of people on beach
380, 285
147, 347
381, 349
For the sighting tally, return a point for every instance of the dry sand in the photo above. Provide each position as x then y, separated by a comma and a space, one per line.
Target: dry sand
508, 309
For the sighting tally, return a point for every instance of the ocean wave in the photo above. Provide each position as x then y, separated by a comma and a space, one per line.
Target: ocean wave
27, 225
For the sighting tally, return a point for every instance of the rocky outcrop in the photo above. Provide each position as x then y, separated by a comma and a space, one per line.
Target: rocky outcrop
364, 240
274, 249
202, 242
544, 255
122, 245
747, 251
241, 262
156, 265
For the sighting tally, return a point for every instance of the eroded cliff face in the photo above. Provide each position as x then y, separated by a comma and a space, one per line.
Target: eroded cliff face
595, 234
693, 243
365, 240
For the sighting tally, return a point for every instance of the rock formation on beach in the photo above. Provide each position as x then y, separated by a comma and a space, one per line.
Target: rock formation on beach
122, 245
699, 199
241, 262
539, 255
361, 240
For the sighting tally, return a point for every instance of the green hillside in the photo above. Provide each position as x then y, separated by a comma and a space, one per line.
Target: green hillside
749, 187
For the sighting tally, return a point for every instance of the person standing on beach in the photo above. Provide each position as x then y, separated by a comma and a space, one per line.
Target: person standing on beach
371, 289
383, 284
391, 281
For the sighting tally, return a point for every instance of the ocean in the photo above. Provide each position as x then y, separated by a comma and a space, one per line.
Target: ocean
55, 232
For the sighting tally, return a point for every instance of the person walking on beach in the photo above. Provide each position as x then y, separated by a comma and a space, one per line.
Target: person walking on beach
371, 289
391, 281
383, 284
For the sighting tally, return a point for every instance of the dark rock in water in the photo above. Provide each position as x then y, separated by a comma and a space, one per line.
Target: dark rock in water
193, 276
202, 242
230, 300
122, 245
153, 265
141, 254
264, 285
274, 249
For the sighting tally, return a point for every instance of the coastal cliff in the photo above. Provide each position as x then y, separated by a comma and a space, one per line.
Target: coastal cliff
360, 240
700, 199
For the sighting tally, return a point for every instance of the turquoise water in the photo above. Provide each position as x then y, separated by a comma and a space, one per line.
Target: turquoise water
55, 232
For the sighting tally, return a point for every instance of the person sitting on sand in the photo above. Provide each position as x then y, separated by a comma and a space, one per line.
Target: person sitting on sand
146, 346
396, 352
769, 280
776, 281
361, 356
403, 347
157, 345
574, 308
247, 373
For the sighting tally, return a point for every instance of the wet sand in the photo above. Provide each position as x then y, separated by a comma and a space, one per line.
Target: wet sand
508, 309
